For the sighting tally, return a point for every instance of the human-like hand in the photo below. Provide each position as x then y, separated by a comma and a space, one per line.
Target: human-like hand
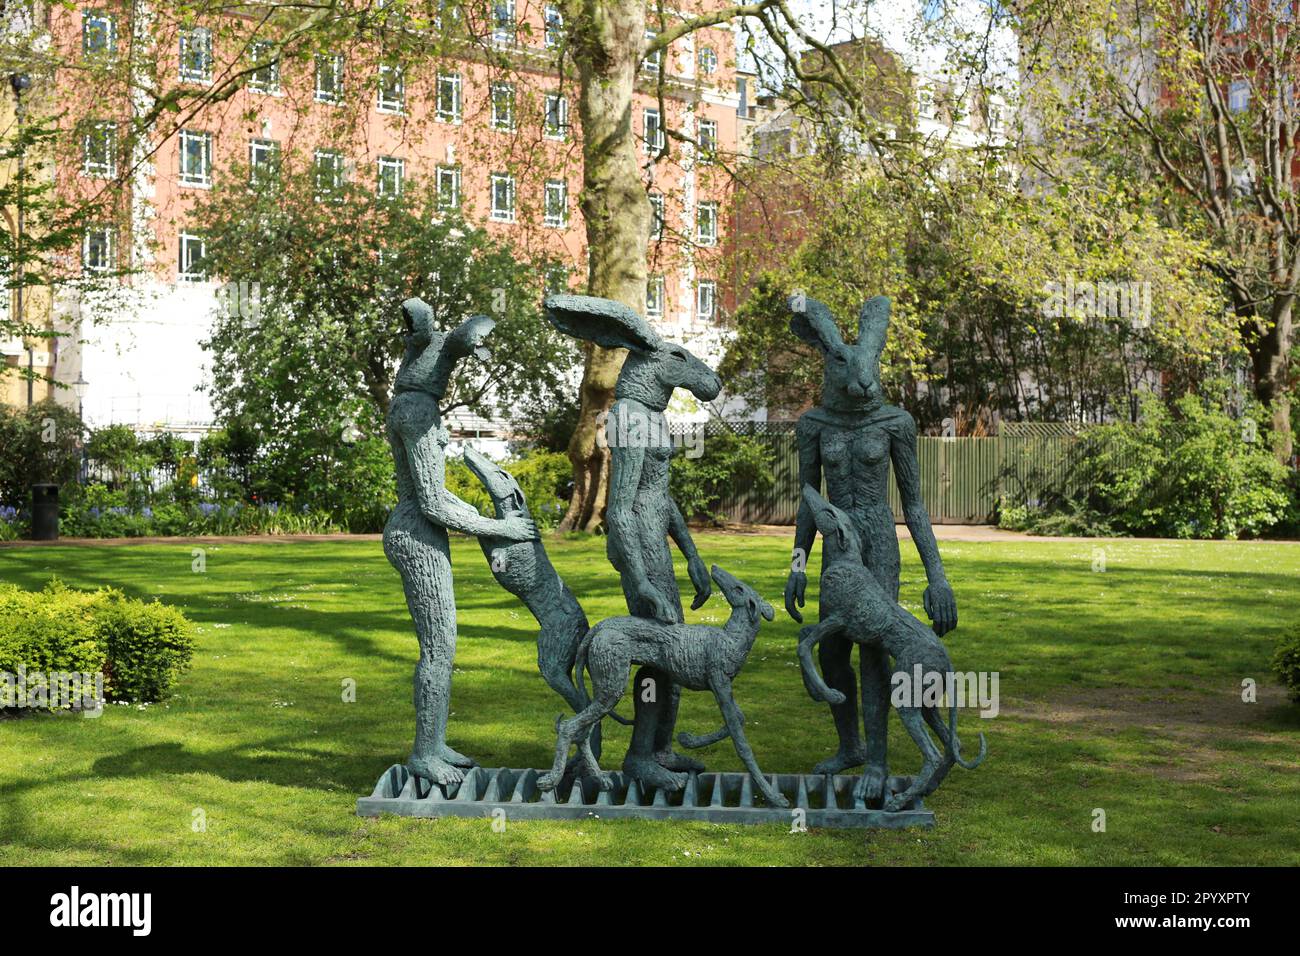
941, 605
654, 604
795, 585
516, 528
700, 578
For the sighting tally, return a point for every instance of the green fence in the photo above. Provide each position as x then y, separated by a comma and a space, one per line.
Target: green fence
962, 479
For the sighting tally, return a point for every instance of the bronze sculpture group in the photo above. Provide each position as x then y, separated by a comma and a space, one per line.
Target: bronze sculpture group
849, 441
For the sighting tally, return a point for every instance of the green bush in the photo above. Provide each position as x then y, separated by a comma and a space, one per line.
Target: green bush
1184, 470
1286, 663
728, 460
37, 444
141, 649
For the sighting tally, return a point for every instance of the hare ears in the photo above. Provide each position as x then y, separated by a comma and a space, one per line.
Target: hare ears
607, 323
873, 325
811, 321
417, 316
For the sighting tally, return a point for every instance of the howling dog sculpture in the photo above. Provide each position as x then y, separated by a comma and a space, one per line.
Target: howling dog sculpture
853, 606
524, 569
695, 656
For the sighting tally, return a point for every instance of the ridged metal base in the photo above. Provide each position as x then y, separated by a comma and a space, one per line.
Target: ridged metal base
826, 801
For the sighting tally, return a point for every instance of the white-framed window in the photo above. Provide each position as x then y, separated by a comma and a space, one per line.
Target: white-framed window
554, 20
263, 160
99, 149
190, 266
556, 212
329, 167
708, 140
706, 300
503, 106
502, 188
98, 34
196, 158
657, 219
653, 62
1238, 15
196, 55
654, 297
503, 22
448, 14
447, 98
98, 249
266, 78
392, 88
707, 59
448, 185
329, 77
555, 124
1238, 96
392, 175
652, 130
925, 102
706, 224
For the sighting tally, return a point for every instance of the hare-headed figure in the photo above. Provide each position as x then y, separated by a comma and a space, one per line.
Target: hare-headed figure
851, 440
641, 515
415, 537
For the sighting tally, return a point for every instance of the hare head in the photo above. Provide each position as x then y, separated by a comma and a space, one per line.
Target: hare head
851, 373
654, 368
431, 356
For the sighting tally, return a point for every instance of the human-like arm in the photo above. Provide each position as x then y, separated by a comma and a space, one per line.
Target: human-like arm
805, 530
625, 467
940, 602
425, 457
678, 531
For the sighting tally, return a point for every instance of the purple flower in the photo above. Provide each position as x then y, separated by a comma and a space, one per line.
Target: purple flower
207, 508
147, 511
8, 513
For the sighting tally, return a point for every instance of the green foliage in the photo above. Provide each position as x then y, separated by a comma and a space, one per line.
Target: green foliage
37, 444
1185, 470
1286, 662
728, 460
302, 375
141, 649
543, 476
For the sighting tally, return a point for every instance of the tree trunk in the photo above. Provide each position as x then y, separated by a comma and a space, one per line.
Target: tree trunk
1270, 354
606, 39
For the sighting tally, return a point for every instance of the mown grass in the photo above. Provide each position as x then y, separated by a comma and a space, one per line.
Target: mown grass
1120, 691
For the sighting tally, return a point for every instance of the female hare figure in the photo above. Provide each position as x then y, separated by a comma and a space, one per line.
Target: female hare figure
641, 514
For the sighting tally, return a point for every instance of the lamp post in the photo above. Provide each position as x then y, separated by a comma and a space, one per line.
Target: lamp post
21, 82
79, 388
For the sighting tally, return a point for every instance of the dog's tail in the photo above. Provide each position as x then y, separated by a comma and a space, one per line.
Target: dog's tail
953, 745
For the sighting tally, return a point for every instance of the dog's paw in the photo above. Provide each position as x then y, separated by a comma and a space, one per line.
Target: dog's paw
549, 780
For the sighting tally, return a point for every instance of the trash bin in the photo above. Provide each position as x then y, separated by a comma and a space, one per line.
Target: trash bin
45, 512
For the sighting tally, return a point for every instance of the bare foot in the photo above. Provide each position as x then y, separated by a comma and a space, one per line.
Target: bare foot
455, 758
649, 773
435, 770
671, 760
854, 756
870, 787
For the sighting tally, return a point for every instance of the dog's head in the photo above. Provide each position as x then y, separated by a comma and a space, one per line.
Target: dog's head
507, 497
838, 534
741, 595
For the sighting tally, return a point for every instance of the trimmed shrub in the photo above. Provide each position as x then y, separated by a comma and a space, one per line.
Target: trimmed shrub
141, 649
1286, 663
729, 460
543, 477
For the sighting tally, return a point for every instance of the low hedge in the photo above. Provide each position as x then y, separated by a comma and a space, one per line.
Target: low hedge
141, 649
1286, 662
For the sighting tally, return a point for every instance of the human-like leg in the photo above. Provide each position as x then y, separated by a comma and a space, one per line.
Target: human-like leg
833, 653
874, 664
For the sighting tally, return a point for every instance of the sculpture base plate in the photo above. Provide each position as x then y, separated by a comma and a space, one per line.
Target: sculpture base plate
826, 800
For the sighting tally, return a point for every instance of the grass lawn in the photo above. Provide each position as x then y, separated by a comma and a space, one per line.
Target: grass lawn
1119, 690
